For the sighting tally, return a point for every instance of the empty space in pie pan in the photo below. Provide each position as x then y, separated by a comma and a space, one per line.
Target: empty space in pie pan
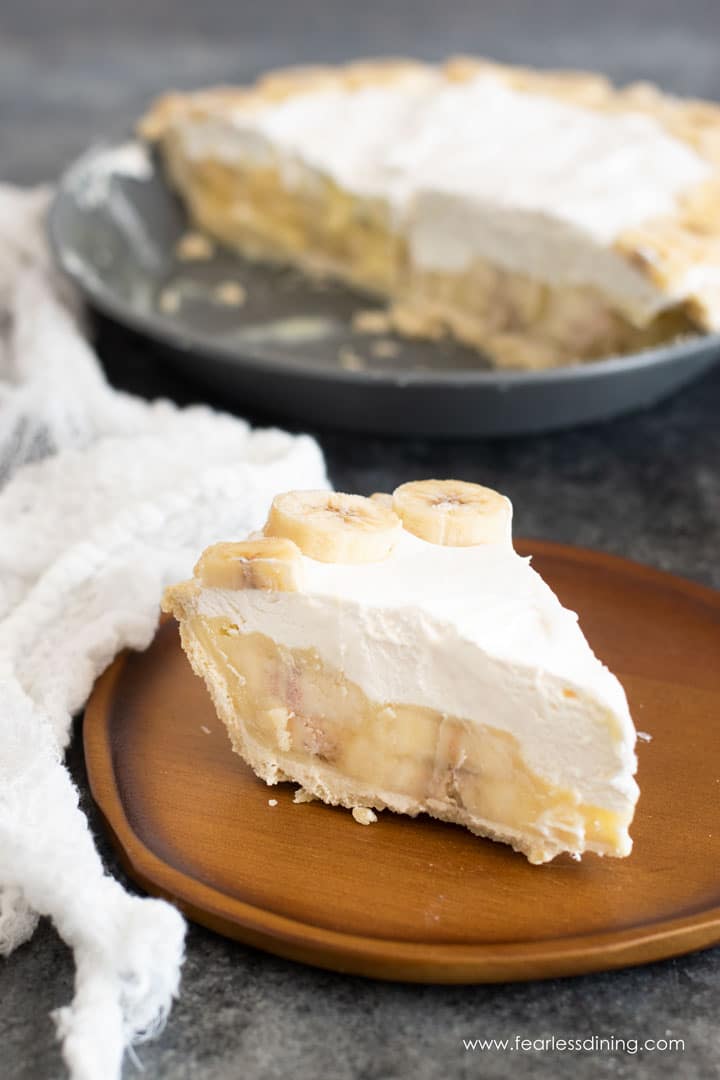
278, 342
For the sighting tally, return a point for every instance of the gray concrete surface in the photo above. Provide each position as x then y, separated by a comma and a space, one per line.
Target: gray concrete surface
647, 486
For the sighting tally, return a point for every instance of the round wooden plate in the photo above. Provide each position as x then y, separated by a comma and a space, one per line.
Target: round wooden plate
417, 899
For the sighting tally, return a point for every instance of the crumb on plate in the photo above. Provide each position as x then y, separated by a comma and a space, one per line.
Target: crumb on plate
364, 815
230, 294
194, 247
169, 300
349, 359
385, 349
372, 321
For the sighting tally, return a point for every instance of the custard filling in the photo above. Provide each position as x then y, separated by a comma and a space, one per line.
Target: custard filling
294, 717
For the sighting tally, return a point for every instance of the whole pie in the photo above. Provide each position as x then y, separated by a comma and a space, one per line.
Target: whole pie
541, 217
395, 652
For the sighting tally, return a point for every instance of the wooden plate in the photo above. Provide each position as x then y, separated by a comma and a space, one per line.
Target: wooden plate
417, 899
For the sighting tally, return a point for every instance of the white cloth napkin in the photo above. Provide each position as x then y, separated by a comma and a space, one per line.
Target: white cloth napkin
104, 499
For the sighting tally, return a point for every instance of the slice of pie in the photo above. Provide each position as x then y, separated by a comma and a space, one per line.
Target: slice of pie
542, 217
395, 652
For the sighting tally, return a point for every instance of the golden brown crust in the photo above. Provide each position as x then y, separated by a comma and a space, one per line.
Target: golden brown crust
180, 600
274, 86
665, 250
696, 122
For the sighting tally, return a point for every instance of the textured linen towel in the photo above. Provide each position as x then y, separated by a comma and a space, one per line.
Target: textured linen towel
104, 499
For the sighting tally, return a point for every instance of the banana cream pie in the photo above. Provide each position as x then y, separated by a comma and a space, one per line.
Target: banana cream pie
544, 218
395, 652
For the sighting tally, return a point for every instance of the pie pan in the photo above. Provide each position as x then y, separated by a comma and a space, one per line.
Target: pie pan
291, 351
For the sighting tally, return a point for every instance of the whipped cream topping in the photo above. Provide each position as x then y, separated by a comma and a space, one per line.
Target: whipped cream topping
477, 169
472, 632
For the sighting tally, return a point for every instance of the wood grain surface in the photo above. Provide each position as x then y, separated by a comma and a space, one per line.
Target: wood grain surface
417, 899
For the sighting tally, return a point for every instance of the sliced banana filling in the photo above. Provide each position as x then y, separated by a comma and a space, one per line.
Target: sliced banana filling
395, 652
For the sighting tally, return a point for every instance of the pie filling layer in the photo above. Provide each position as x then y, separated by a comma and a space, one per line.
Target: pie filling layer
291, 716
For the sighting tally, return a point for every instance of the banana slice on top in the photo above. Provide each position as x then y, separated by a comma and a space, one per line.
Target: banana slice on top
453, 513
260, 563
332, 527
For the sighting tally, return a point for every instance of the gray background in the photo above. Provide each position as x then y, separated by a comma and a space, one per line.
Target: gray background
647, 486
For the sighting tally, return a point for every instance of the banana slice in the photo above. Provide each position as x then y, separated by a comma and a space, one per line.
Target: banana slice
263, 563
453, 513
383, 499
332, 527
